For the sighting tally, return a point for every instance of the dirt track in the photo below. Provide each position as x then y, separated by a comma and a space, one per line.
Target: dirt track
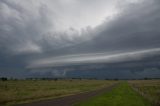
69, 100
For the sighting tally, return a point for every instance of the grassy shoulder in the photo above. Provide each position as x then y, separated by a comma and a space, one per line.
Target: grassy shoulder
23, 91
122, 95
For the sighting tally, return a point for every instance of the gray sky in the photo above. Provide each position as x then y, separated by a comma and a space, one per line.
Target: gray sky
63, 33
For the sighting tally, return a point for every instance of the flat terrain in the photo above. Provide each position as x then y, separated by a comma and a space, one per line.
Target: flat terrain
80, 93
149, 89
72, 99
122, 95
24, 91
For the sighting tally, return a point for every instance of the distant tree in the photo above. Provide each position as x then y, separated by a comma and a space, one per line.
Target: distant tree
146, 78
116, 79
43, 79
55, 79
3, 79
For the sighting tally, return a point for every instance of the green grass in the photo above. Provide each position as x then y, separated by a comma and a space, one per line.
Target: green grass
14, 92
122, 95
150, 89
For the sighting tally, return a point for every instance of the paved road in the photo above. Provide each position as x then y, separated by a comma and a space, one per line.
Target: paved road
69, 100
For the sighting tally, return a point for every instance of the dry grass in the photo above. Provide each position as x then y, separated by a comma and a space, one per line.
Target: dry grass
150, 89
13, 92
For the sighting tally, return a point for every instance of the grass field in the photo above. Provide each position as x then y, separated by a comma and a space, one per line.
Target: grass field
122, 95
133, 93
13, 92
150, 89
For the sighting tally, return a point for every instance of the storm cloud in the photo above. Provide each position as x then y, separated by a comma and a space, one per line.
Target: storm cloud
68, 35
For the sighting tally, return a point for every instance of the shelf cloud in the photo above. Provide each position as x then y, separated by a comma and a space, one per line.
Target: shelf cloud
94, 58
64, 33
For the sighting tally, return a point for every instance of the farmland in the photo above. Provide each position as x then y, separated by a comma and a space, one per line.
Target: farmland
126, 93
149, 89
23, 91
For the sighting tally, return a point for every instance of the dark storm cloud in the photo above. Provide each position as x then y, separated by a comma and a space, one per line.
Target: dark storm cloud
25, 28
135, 28
38, 34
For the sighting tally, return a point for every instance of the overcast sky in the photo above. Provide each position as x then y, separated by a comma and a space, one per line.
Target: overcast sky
62, 36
